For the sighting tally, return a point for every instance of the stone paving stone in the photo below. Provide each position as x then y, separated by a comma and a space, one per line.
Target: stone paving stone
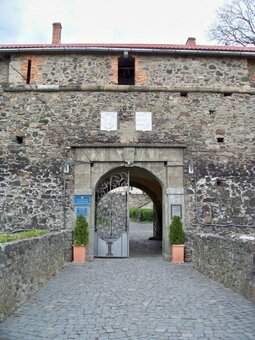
135, 298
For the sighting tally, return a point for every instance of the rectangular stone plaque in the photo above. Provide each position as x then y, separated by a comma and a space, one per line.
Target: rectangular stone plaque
81, 211
82, 200
176, 210
143, 121
109, 121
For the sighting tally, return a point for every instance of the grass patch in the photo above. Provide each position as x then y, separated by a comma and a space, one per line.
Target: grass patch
25, 234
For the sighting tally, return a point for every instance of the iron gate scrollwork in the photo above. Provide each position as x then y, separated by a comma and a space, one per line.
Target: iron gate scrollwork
111, 227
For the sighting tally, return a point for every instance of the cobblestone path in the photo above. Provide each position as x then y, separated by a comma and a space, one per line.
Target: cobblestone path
135, 298
139, 242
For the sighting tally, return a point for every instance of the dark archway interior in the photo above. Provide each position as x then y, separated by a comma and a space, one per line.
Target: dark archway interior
147, 182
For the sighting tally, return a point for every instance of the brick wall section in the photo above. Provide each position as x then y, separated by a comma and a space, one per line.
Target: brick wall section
251, 70
26, 265
56, 34
36, 67
114, 73
227, 259
140, 72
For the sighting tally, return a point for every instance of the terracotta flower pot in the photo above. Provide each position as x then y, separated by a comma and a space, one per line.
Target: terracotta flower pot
79, 254
178, 253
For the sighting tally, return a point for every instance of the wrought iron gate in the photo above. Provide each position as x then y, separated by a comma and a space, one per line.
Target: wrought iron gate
112, 216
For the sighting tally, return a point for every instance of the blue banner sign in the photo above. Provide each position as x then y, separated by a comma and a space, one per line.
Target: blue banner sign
82, 200
82, 211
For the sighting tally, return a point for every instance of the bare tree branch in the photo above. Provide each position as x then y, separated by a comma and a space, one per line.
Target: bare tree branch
235, 23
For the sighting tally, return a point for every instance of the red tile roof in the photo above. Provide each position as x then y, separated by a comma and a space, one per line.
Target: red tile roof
131, 46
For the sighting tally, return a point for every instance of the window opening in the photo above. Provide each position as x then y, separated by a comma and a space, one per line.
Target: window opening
227, 94
28, 71
220, 140
19, 139
212, 112
184, 94
126, 71
218, 182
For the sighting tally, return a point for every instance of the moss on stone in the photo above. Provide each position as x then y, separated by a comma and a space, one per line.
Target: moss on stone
25, 234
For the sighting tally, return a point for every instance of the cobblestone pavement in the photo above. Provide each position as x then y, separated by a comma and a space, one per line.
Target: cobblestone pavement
139, 243
135, 298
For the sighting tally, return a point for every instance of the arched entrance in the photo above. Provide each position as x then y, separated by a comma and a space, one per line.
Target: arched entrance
156, 169
112, 208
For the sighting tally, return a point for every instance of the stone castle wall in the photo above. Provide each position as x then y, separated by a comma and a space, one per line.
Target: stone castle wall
34, 190
26, 265
140, 201
188, 71
62, 69
66, 69
227, 259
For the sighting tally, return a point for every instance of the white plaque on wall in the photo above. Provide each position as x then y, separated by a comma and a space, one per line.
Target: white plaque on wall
176, 210
108, 121
143, 121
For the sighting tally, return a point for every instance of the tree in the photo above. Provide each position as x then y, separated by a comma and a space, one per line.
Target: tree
81, 232
235, 24
176, 233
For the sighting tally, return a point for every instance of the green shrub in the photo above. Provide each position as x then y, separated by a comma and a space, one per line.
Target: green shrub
25, 234
133, 214
141, 214
146, 215
176, 233
81, 232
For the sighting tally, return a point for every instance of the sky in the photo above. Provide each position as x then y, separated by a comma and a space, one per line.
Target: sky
107, 21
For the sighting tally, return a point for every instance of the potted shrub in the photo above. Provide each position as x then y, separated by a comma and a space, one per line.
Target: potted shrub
176, 240
80, 239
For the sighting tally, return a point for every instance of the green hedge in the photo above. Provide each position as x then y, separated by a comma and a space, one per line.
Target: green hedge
25, 234
141, 214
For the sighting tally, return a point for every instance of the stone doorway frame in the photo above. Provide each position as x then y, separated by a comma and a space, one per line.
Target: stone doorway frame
164, 162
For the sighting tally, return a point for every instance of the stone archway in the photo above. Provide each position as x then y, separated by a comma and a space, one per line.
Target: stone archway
112, 208
156, 169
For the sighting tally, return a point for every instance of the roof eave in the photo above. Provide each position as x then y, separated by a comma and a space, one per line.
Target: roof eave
70, 49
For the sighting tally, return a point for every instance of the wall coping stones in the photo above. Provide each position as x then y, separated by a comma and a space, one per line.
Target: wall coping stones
128, 88
119, 145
